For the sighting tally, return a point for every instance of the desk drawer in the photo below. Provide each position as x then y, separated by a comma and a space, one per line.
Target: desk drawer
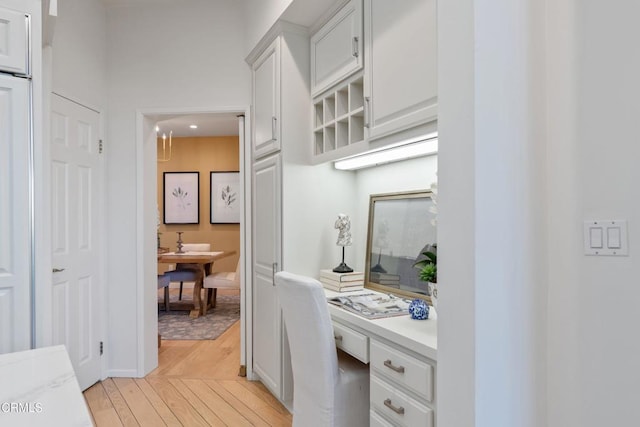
375, 420
408, 371
397, 406
352, 342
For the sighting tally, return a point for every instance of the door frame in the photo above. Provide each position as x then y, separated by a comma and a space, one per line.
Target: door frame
146, 217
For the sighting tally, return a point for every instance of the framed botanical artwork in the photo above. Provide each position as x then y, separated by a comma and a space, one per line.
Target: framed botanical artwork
225, 197
181, 197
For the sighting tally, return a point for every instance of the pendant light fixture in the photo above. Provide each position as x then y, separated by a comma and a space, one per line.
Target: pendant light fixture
164, 157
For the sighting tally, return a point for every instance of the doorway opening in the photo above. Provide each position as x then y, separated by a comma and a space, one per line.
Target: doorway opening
206, 147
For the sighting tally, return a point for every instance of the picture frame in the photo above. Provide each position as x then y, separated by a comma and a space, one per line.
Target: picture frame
225, 197
181, 197
400, 229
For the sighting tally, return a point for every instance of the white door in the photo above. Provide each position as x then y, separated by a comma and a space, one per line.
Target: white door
401, 50
15, 248
267, 259
266, 101
76, 173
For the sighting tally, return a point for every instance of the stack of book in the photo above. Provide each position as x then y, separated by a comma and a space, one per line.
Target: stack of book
342, 282
385, 279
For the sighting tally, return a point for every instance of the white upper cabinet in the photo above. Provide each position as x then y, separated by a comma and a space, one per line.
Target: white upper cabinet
336, 49
400, 84
14, 41
266, 101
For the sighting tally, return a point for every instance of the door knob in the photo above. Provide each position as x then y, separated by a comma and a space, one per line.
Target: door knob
58, 270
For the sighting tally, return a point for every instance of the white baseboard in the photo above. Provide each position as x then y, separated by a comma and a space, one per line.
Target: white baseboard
122, 373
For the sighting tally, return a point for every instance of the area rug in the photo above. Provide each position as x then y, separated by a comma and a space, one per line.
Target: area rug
177, 325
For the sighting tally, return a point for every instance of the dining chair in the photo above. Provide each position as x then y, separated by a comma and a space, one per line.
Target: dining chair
164, 282
185, 272
220, 279
330, 387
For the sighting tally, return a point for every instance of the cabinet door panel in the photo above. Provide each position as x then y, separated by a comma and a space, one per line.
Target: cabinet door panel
15, 254
401, 73
266, 101
267, 250
13, 42
336, 49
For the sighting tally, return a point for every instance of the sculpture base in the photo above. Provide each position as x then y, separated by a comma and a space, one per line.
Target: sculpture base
378, 269
343, 268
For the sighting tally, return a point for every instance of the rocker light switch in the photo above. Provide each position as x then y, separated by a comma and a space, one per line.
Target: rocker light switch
595, 234
613, 237
606, 237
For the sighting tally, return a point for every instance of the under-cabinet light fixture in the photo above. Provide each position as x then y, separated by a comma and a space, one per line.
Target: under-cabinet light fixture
193, 126
416, 147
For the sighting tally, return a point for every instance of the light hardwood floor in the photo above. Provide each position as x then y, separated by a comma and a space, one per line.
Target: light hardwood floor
195, 384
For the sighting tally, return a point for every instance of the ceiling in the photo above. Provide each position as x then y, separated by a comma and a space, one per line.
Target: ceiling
211, 124
135, 2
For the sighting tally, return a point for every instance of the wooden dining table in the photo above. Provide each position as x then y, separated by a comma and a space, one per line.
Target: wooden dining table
203, 260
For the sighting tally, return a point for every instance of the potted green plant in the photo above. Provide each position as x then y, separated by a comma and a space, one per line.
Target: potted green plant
429, 270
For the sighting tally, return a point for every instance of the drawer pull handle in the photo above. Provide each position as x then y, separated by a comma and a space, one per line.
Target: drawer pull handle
338, 338
399, 369
388, 404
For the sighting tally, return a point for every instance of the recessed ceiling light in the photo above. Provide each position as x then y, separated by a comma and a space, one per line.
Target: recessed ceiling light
193, 126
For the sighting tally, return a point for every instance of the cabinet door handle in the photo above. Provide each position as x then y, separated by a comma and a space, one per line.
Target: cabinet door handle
274, 269
354, 48
366, 111
399, 369
274, 121
396, 409
58, 270
338, 338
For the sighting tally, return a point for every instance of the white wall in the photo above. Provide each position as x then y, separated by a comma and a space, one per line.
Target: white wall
186, 55
80, 52
408, 175
593, 165
492, 214
259, 16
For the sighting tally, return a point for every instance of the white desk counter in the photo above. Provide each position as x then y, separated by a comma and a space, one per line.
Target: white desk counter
419, 336
402, 355
39, 388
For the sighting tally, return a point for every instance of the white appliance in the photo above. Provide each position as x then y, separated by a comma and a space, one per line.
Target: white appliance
16, 182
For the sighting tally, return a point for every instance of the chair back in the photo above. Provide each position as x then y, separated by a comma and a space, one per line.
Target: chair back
196, 247
313, 350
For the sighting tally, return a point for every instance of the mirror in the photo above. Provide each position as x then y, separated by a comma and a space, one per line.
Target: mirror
401, 228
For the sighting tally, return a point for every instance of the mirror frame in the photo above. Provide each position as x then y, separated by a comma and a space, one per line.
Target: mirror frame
373, 198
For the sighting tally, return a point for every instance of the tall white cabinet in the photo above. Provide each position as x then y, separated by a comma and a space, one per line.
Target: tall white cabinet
293, 216
15, 212
271, 360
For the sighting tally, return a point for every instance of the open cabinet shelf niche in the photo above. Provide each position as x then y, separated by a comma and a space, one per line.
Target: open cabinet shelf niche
338, 119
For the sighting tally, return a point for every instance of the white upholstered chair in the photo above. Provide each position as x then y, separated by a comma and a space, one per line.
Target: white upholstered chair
330, 388
188, 272
220, 280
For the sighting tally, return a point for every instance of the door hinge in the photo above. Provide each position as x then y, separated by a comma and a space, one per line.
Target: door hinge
100, 146
101, 348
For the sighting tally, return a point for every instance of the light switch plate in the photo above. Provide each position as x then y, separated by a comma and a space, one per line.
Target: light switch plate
606, 237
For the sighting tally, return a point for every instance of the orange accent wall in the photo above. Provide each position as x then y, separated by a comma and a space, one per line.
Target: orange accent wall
205, 155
